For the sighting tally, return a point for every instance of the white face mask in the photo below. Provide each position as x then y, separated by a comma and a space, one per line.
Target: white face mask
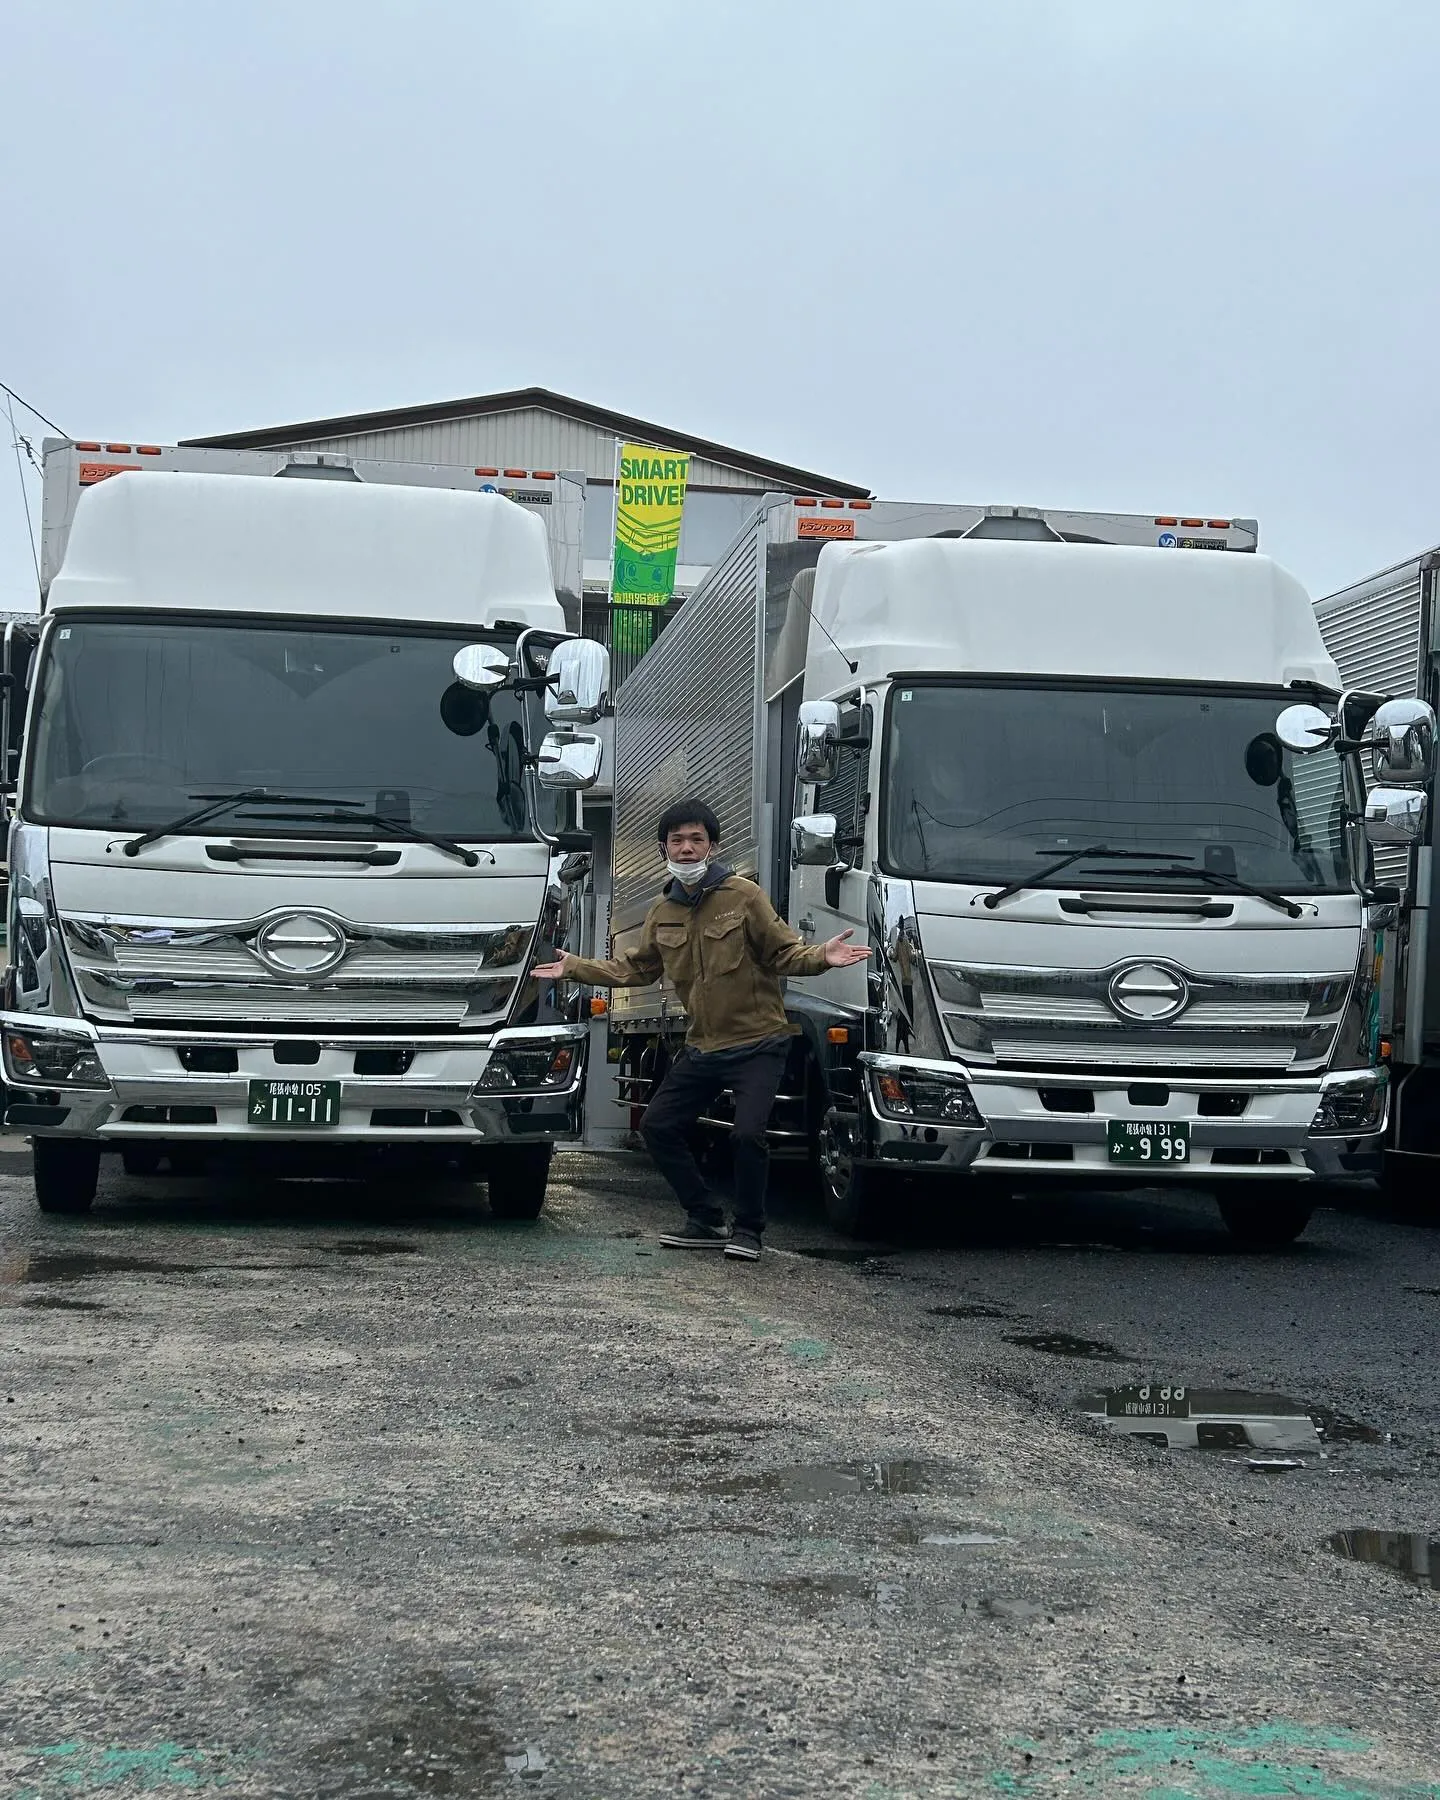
687, 874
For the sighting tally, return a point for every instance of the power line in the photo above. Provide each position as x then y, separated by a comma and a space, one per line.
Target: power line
20, 471
21, 400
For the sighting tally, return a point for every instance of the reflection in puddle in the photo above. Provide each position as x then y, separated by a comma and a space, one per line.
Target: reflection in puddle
1407, 1553
1060, 1343
816, 1593
1186, 1418
961, 1540
54, 1303
972, 1309
827, 1481
78, 1267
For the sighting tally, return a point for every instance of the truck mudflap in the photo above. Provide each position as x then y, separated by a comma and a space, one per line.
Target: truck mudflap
923, 1115
68, 1078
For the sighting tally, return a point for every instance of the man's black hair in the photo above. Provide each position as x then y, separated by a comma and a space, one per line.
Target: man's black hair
688, 812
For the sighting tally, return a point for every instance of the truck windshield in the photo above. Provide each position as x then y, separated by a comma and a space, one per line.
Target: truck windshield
992, 783
139, 722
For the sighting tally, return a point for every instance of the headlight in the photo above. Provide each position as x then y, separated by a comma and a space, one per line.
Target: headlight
528, 1068
50, 1059
940, 1099
1348, 1108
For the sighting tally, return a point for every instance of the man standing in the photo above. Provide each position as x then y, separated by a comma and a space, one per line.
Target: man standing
725, 948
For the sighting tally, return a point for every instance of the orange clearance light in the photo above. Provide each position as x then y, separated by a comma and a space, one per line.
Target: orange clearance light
1385, 1049
542, 474
832, 503
1192, 522
838, 1034
487, 471
800, 499
599, 1006
87, 445
859, 506
1167, 521
1218, 524
515, 474
118, 449
892, 1088
147, 449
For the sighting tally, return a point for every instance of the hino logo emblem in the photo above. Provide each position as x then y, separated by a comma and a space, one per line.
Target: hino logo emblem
300, 944
1148, 993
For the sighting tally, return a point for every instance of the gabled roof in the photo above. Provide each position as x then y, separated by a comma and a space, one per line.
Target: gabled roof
620, 425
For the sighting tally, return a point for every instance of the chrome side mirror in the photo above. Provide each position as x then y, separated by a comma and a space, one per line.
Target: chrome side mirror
817, 756
1395, 815
1302, 729
568, 760
579, 681
1402, 748
481, 666
812, 838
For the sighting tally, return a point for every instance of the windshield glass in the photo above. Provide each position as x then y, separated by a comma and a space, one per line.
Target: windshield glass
141, 721
990, 783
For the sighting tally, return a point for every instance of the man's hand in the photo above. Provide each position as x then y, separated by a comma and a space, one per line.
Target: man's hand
840, 955
551, 971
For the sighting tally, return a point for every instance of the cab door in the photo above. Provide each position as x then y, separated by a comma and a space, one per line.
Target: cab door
824, 902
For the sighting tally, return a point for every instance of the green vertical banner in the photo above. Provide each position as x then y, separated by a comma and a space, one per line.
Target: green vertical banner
649, 503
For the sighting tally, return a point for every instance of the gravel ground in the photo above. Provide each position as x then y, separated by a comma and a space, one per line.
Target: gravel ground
314, 1489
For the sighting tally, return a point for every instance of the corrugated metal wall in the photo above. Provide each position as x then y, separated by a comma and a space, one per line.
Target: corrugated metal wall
529, 438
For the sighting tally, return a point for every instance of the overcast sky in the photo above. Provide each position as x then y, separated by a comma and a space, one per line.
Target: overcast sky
1102, 253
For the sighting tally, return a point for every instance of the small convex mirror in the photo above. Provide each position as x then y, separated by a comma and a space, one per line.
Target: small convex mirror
818, 752
1302, 729
481, 666
1395, 815
812, 838
569, 760
1402, 743
579, 680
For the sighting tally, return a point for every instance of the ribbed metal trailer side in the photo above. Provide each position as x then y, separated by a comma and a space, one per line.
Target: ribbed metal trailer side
687, 721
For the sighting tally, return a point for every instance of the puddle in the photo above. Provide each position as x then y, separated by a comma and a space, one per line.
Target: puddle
1060, 1343
435, 1739
49, 1269
528, 1762
53, 1303
1187, 1418
1409, 1554
1015, 1612
693, 1428
970, 1310
960, 1540
368, 1247
1429, 1293
829, 1481
872, 1261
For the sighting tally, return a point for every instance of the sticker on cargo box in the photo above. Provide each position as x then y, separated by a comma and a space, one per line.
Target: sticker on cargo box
825, 528
90, 473
526, 496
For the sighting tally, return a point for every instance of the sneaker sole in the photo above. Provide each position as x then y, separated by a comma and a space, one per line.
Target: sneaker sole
681, 1243
739, 1255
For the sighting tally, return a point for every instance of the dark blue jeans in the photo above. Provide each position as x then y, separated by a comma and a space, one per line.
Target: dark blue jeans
753, 1075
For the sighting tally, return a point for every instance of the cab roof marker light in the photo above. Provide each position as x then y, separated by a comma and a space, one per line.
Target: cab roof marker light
147, 450
87, 445
1168, 520
800, 499
542, 474
487, 471
515, 474
1192, 522
860, 505
832, 503
118, 449
1218, 524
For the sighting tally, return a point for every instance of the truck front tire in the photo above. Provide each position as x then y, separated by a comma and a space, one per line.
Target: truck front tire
67, 1172
516, 1178
859, 1200
1259, 1216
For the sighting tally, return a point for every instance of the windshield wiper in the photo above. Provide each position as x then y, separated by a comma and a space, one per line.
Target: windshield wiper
219, 803
1236, 884
1099, 851
403, 829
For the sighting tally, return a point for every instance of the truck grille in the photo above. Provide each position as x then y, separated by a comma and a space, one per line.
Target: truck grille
1064, 1018
145, 971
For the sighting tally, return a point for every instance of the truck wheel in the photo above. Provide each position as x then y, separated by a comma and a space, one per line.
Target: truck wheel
1260, 1218
859, 1200
67, 1171
516, 1178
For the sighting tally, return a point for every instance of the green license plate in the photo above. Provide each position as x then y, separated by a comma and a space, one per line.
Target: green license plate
1154, 1143
305, 1105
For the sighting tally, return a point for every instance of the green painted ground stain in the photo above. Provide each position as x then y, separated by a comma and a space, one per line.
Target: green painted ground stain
76, 1768
807, 1349
1186, 1763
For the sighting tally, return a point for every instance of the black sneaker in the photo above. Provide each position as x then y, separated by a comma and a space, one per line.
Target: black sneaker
696, 1235
744, 1246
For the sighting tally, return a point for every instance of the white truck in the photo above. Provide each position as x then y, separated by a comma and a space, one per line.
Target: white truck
289, 824
1084, 794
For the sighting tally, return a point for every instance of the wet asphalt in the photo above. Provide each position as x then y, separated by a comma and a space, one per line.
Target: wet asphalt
346, 1491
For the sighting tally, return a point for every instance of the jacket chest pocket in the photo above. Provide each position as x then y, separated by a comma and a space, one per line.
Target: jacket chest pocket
673, 942
724, 946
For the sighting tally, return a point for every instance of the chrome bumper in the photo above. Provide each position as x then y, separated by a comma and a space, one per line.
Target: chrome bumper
1021, 1134
144, 1070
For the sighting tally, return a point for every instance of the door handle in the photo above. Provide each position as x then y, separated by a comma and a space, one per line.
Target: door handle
805, 924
